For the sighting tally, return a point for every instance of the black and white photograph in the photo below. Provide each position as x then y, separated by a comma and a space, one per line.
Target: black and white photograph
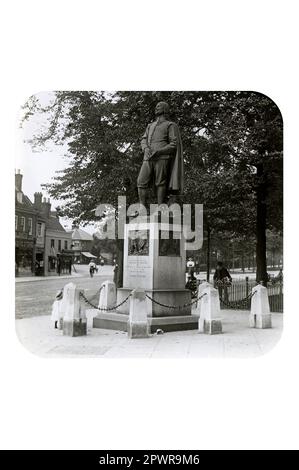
162, 224
149, 265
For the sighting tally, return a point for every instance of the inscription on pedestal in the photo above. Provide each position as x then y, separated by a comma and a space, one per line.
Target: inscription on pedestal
138, 268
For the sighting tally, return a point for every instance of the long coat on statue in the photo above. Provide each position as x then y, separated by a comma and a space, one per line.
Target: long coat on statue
176, 180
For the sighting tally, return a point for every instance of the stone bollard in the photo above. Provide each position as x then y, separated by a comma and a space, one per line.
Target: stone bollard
107, 295
200, 292
138, 326
62, 306
260, 316
210, 321
74, 320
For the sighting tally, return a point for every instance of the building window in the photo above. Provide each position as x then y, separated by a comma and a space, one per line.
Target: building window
22, 224
16, 222
39, 229
30, 226
59, 245
52, 243
65, 244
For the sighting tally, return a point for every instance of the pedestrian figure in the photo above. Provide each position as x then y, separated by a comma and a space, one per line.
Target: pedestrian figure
190, 267
191, 284
222, 280
115, 273
279, 276
57, 314
92, 268
58, 266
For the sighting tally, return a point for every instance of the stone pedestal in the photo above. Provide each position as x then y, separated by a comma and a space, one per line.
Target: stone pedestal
75, 328
107, 295
260, 316
155, 261
200, 292
210, 321
163, 296
74, 320
156, 264
138, 326
107, 300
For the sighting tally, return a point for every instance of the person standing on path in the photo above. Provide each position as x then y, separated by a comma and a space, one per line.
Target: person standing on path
222, 280
57, 314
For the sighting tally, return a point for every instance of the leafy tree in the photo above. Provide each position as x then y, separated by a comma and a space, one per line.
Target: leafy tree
232, 151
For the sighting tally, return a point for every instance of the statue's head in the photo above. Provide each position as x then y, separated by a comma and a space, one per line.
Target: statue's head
161, 108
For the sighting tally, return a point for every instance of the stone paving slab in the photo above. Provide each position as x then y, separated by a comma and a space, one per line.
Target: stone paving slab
238, 340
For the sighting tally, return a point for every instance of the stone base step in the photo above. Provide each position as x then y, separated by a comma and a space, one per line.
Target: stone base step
118, 321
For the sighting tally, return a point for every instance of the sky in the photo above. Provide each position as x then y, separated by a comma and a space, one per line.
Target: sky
39, 167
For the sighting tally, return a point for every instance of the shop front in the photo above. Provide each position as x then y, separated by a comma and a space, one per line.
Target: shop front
24, 260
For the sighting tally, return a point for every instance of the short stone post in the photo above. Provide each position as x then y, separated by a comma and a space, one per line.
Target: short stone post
62, 306
210, 321
107, 298
200, 292
138, 326
74, 320
260, 316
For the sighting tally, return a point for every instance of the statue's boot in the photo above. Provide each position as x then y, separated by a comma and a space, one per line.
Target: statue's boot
161, 194
142, 201
162, 207
173, 199
142, 196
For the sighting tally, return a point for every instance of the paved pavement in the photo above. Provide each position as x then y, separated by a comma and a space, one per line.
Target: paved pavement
238, 340
35, 297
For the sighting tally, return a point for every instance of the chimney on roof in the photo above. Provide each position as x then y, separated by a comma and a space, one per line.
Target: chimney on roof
38, 200
18, 180
46, 207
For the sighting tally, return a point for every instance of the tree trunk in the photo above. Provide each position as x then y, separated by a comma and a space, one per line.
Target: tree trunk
261, 214
242, 262
120, 262
208, 253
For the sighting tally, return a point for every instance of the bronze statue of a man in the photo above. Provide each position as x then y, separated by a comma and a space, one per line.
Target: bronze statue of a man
162, 163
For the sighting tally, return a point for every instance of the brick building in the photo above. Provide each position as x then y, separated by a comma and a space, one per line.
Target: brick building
81, 245
43, 247
30, 224
58, 247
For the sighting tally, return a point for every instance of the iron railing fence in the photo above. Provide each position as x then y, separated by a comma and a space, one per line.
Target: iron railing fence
237, 295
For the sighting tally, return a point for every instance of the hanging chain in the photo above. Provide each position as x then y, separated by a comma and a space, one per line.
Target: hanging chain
175, 307
108, 309
103, 309
238, 303
97, 293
